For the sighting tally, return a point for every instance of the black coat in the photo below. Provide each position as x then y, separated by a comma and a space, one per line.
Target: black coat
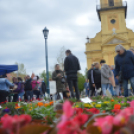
89, 78
96, 76
71, 66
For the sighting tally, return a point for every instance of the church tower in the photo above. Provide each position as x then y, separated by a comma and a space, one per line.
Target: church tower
112, 15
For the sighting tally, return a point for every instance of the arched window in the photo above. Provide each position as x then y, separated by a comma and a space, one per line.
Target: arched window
111, 2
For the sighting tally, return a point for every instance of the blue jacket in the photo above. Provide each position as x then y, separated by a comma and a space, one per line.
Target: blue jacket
5, 84
86, 85
125, 64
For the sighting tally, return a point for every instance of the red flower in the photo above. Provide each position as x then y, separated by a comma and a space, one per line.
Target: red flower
116, 111
78, 110
16, 105
80, 119
93, 110
117, 106
104, 111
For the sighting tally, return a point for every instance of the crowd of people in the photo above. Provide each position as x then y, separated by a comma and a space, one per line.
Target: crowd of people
100, 80
20, 89
114, 78
66, 83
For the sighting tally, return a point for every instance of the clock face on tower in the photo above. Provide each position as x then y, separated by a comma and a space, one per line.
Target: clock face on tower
113, 21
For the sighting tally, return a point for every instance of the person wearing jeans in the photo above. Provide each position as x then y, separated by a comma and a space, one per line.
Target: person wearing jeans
111, 90
125, 86
106, 74
86, 86
124, 66
29, 93
106, 87
116, 90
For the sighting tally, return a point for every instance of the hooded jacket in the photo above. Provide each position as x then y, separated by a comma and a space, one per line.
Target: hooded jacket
5, 84
125, 64
106, 73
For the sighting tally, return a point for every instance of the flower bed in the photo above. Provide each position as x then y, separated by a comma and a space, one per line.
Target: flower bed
102, 116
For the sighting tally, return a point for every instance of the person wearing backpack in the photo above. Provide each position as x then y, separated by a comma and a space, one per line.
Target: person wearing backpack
28, 87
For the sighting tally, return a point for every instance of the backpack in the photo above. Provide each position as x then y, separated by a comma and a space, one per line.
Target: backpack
43, 87
28, 85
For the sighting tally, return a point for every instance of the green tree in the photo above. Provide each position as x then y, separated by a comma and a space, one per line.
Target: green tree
21, 69
44, 76
86, 70
81, 81
60, 57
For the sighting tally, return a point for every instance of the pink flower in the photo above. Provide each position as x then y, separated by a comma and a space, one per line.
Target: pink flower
67, 109
123, 117
126, 113
119, 120
70, 124
71, 128
68, 113
13, 123
132, 104
106, 124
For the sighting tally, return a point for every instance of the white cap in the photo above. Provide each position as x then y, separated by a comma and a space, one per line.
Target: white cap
119, 47
34, 78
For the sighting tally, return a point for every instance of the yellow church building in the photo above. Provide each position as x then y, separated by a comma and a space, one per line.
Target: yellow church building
112, 14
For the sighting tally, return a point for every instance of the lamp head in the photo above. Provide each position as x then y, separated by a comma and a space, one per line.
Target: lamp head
45, 32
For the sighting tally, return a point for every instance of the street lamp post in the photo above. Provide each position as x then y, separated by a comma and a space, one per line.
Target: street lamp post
45, 32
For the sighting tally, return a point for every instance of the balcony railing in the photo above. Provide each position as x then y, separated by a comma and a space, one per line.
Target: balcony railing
115, 5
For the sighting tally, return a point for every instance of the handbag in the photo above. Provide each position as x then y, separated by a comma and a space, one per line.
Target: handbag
63, 80
120, 73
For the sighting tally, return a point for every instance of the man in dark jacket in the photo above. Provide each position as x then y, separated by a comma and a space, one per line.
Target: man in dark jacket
124, 63
71, 67
96, 76
28, 87
89, 76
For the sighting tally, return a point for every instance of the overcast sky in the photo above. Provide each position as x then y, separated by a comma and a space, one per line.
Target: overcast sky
69, 22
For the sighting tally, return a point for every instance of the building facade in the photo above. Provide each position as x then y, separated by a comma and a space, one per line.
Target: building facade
112, 14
